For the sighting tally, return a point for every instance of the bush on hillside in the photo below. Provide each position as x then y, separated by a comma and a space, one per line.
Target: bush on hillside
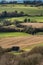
33, 59
37, 50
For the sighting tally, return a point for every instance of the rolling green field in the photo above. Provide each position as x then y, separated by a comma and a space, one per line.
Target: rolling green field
37, 19
13, 34
25, 9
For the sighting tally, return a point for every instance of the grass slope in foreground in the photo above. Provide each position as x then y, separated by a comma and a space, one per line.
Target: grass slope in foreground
32, 46
27, 49
13, 34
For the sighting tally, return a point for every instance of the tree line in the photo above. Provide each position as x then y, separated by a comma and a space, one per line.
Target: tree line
11, 14
5, 26
16, 14
34, 2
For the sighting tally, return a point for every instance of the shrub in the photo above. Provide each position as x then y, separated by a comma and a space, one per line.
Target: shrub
30, 30
21, 13
4, 14
6, 23
8, 59
37, 50
28, 20
1, 51
30, 60
25, 20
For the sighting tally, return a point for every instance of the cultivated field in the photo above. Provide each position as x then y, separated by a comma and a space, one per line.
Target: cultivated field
21, 41
34, 25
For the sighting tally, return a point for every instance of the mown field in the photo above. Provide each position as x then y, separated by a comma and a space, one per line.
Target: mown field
24, 42
34, 25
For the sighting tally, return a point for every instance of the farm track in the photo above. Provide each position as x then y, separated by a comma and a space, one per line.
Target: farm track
34, 25
20, 41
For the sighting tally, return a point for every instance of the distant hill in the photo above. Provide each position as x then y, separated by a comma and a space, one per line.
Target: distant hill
21, 1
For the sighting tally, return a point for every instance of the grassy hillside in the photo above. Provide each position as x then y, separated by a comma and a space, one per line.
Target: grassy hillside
13, 34
28, 48
37, 19
25, 9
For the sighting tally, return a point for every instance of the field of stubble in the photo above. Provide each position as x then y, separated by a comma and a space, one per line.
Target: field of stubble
22, 42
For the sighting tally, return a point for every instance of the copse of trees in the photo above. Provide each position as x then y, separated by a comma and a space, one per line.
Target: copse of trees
16, 14
31, 30
6, 23
6, 27
27, 20
34, 2
34, 50
37, 50
11, 14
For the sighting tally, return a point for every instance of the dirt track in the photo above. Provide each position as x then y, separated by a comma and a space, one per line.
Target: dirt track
34, 25
20, 41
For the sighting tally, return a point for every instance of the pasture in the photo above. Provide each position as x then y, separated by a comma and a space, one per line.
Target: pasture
23, 40
32, 19
36, 18
13, 34
25, 9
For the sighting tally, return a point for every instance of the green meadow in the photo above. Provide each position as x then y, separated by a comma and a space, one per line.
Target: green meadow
13, 34
37, 19
26, 9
